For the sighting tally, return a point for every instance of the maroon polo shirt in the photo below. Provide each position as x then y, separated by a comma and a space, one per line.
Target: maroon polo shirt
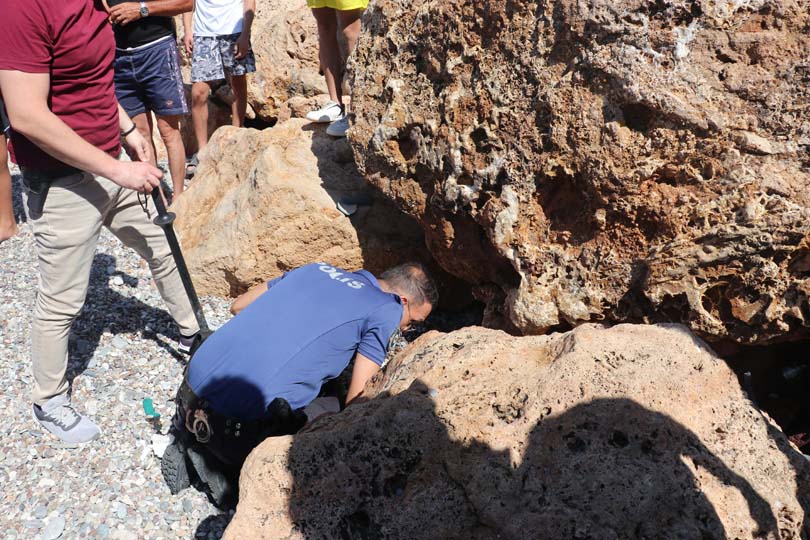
71, 40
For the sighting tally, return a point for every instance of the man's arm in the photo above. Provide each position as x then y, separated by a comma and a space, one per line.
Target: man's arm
134, 139
127, 12
364, 370
26, 97
245, 299
188, 29
242, 45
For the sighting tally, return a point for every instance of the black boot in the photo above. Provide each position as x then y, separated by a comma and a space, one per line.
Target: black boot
174, 468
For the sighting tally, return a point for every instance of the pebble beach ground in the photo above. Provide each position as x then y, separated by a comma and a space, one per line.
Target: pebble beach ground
122, 350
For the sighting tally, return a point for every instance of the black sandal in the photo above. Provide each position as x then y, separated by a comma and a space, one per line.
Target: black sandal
191, 166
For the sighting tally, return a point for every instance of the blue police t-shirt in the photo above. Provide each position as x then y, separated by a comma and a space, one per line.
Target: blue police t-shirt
300, 333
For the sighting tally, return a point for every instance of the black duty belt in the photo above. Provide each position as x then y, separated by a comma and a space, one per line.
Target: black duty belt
204, 423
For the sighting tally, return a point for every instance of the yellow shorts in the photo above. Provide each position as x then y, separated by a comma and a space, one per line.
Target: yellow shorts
342, 5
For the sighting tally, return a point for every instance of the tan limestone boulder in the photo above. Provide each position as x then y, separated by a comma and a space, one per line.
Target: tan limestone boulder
264, 202
628, 432
586, 160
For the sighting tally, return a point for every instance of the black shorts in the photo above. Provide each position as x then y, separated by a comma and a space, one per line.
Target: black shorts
4, 125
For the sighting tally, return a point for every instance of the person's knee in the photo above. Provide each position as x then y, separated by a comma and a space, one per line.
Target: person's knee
199, 94
60, 309
350, 34
141, 122
169, 129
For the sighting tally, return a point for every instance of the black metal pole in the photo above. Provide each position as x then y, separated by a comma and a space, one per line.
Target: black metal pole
164, 220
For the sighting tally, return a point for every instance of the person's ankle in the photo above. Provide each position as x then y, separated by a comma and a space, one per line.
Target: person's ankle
8, 230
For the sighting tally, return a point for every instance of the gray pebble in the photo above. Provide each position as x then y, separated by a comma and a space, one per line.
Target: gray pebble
41, 511
121, 511
54, 528
103, 531
119, 342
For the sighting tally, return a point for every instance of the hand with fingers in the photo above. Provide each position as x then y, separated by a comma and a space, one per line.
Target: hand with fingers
137, 175
139, 145
242, 46
124, 13
188, 42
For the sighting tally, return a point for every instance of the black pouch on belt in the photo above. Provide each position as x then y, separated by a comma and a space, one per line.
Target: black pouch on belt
37, 193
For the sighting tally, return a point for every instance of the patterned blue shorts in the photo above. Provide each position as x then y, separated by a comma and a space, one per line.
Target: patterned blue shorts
213, 58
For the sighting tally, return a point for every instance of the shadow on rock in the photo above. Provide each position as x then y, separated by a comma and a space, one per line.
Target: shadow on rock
606, 469
105, 310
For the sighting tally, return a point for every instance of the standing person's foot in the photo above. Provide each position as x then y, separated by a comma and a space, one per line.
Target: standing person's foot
8, 230
60, 418
339, 127
185, 343
328, 113
191, 166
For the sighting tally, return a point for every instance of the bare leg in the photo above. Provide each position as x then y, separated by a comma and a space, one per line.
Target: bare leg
143, 122
169, 128
8, 225
199, 112
329, 51
239, 105
350, 28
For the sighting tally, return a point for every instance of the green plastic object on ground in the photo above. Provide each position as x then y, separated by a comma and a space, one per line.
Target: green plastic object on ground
149, 409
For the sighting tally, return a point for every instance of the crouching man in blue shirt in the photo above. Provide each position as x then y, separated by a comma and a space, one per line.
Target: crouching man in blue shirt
252, 378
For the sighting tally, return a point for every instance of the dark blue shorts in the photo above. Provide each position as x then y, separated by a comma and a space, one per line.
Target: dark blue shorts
149, 79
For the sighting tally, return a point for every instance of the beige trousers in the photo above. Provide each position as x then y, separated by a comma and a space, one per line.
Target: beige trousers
66, 233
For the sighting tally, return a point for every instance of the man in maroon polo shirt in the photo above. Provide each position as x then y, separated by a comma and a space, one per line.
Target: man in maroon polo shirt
56, 78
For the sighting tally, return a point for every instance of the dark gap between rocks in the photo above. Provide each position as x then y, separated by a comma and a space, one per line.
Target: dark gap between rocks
258, 123
777, 379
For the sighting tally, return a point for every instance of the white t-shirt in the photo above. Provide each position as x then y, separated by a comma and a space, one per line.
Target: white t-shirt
217, 17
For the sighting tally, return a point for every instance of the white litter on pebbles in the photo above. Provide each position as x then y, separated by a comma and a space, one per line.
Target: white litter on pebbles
122, 351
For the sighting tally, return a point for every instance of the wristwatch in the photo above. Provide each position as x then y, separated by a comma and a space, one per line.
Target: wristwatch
144, 11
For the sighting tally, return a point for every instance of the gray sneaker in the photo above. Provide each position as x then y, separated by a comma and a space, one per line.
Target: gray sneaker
59, 417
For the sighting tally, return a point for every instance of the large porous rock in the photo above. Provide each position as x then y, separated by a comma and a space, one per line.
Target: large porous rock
629, 432
285, 42
582, 160
264, 202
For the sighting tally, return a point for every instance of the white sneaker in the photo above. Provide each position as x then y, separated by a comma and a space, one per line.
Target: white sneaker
59, 417
328, 113
339, 127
